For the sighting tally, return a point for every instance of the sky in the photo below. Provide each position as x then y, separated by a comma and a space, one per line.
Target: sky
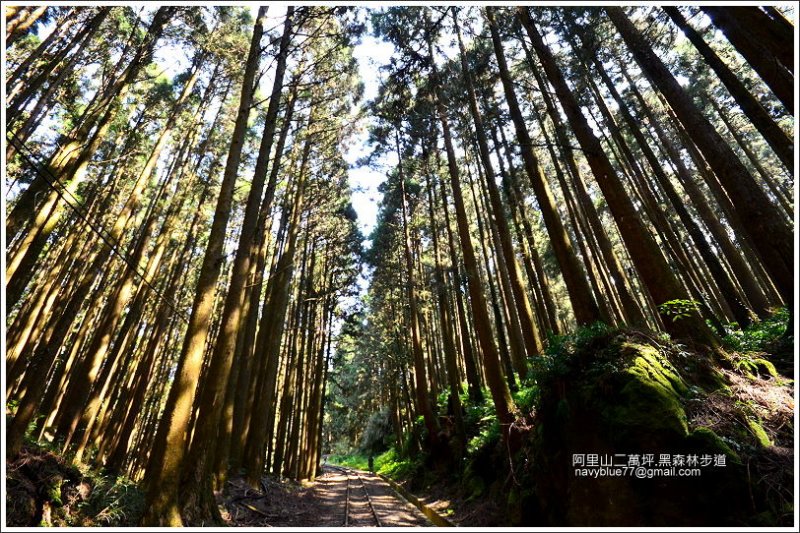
370, 54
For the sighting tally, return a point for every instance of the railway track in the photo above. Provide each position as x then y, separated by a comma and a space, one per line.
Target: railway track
354, 483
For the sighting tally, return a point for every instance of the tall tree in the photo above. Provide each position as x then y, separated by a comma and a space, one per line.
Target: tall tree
166, 467
583, 303
769, 129
656, 274
769, 231
766, 44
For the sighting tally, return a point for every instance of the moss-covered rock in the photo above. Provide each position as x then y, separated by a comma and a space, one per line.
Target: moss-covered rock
631, 393
628, 398
42, 489
37, 485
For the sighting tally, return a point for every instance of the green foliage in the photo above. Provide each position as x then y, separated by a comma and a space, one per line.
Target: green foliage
390, 463
759, 335
78, 495
488, 436
677, 309
394, 465
560, 348
525, 398
113, 502
357, 461
11, 406
561, 345
477, 415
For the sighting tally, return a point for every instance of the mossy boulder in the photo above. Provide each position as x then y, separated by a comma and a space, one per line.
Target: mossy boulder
618, 398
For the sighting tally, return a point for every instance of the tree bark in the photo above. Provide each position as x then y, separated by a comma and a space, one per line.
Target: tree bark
165, 469
583, 303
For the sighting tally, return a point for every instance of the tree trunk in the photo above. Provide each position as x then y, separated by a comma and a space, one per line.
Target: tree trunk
420, 374
165, 469
197, 467
503, 403
762, 42
533, 344
583, 303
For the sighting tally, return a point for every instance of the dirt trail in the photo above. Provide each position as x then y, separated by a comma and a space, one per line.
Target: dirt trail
336, 494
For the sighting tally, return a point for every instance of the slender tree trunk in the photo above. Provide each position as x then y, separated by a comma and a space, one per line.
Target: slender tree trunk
165, 469
198, 505
580, 293
269, 336
770, 53
504, 404
766, 176
731, 253
445, 314
506, 321
423, 402
720, 276
533, 344
470, 364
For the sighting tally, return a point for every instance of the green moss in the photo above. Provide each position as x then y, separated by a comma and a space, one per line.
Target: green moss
657, 367
646, 404
758, 431
767, 366
707, 438
649, 394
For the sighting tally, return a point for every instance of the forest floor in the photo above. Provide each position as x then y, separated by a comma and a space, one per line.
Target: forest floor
321, 503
